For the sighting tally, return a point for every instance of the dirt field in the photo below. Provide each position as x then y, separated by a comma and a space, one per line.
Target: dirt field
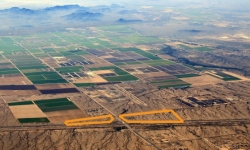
53, 86
204, 79
103, 72
20, 92
50, 61
61, 116
14, 80
96, 79
27, 111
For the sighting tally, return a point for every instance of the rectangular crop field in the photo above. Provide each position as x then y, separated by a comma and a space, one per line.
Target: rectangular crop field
84, 84
158, 62
44, 77
33, 120
121, 78
20, 103
55, 105
187, 75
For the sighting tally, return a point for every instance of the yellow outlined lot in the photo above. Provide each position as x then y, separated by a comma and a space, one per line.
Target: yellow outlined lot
180, 120
89, 121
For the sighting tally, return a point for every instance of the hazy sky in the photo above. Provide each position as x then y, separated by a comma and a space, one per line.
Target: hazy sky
45, 3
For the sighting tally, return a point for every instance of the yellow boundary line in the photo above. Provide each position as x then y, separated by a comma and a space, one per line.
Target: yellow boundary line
180, 120
90, 120
82, 121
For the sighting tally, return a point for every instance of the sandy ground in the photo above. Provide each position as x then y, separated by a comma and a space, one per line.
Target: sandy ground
96, 79
53, 86
75, 140
144, 47
204, 79
103, 72
61, 116
27, 111
51, 62
20, 92
19, 80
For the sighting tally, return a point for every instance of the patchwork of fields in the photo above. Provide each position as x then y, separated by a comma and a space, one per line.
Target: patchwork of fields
88, 57
45, 111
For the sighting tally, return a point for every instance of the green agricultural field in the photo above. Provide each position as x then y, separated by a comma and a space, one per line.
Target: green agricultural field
9, 71
49, 50
166, 81
133, 63
1, 57
41, 55
49, 81
29, 64
226, 77
55, 54
80, 52
52, 77
138, 51
21, 103
67, 53
33, 120
7, 40
40, 73
5, 63
120, 72
121, 78
117, 70
187, 75
55, 105
35, 51
84, 84
44, 77
23, 57
69, 69
36, 77
33, 67
148, 55
31, 70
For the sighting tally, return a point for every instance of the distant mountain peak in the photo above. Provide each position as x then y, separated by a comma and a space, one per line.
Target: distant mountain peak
80, 16
121, 20
63, 7
19, 11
